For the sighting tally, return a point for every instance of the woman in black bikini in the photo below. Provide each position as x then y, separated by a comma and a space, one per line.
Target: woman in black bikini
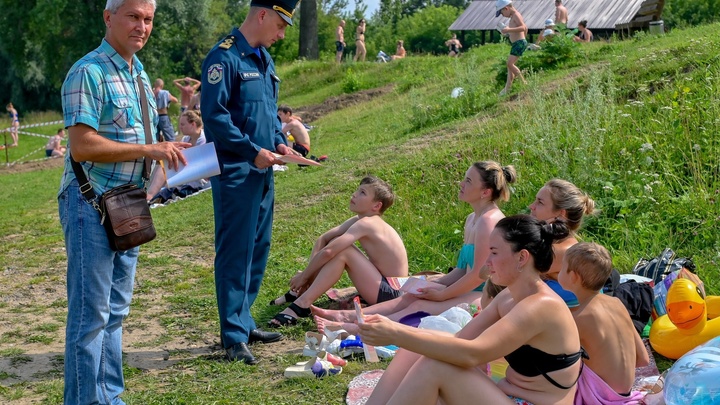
585, 34
527, 323
360, 50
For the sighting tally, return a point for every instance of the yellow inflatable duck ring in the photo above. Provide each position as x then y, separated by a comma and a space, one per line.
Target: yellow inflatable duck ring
686, 324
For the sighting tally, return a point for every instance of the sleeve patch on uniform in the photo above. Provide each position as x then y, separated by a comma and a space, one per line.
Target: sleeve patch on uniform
215, 73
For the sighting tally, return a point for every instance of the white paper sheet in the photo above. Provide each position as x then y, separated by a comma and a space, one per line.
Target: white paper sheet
202, 163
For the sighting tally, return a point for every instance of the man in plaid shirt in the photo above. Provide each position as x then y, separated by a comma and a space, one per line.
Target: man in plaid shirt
102, 111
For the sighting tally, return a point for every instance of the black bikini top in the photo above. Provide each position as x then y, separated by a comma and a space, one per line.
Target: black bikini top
531, 362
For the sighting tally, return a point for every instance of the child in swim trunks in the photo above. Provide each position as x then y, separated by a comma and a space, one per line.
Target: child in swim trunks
335, 251
516, 31
606, 332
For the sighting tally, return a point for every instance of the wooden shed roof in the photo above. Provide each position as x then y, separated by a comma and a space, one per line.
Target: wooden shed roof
600, 14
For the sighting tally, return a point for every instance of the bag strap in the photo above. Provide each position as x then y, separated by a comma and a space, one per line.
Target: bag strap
85, 186
146, 124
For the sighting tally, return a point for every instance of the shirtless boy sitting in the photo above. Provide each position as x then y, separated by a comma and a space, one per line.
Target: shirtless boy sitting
606, 332
335, 252
516, 31
293, 126
54, 147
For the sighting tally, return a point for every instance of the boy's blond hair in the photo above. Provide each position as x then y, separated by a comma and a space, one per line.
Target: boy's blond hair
383, 192
591, 262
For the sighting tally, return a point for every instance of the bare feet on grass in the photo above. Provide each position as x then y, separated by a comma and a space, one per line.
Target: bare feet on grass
333, 315
325, 324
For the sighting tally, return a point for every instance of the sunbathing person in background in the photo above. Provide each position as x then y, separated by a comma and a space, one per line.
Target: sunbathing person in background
606, 332
335, 251
527, 323
585, 34
400, 51
484, 184
291, 125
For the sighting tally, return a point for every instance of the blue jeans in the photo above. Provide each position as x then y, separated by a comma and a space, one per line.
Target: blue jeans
165, 129
99, 289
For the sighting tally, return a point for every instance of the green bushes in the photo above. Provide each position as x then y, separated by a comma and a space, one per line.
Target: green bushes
351, 82
557, 50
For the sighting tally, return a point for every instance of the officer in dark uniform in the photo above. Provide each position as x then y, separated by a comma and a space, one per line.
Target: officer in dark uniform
239, 105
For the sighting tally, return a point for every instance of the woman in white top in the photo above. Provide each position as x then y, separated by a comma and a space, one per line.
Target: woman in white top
191, 127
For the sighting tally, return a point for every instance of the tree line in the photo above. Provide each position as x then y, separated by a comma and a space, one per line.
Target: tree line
41, 39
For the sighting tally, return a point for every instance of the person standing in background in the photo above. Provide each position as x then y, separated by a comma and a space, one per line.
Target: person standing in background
360, 51
163, 98
188, 86
454, 45
15, 124
339, 41
561, 14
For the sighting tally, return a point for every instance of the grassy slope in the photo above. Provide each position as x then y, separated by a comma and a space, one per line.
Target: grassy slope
587, 124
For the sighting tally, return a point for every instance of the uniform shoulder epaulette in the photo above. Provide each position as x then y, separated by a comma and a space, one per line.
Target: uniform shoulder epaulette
228, 42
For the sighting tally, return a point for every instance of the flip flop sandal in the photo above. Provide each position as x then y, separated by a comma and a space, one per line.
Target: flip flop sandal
332, 335
331, 358
282, 320
314, 368
301, 312
286, 320
314, 343
289, 297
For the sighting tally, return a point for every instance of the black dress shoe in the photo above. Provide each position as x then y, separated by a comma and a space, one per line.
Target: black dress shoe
240, 352
257, 335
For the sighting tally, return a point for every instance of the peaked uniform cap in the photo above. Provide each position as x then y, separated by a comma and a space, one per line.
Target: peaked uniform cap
284, 8
501, 4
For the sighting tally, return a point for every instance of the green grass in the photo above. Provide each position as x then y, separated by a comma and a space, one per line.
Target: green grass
634, 124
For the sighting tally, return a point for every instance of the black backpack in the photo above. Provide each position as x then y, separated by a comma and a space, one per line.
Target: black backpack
638, 299
659, 267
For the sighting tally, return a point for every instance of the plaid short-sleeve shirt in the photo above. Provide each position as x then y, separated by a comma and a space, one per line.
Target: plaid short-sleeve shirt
99, 91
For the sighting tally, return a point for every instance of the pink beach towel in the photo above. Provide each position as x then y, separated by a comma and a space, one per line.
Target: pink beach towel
592, 390
362, 386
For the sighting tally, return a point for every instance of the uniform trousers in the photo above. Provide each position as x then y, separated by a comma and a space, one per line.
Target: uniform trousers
243, 199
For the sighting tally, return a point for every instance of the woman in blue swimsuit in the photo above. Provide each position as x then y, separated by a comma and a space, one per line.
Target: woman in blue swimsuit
15, 123
527, 323
483, 185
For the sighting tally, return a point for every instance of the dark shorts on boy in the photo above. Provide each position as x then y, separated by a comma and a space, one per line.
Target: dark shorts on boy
48, 152
518, 47
339, 46
301, 149
386, 292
